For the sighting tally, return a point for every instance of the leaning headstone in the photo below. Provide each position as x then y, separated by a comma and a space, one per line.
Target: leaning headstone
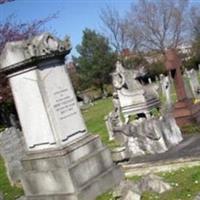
62, 160
148, 136
12, 149
187, 86
166, 89
108, 122
149, 80
172, 133
194, 82
133, 97
161, 83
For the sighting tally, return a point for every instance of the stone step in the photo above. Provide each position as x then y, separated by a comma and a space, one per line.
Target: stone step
90, 166
100, 184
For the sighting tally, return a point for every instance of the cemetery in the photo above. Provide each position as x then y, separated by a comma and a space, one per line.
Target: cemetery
104, 124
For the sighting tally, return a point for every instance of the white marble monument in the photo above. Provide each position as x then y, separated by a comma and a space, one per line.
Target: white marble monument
166, 89
194, 82
134, 98
62, 160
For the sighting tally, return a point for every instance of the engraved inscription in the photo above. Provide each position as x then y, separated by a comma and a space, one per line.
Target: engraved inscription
65, 104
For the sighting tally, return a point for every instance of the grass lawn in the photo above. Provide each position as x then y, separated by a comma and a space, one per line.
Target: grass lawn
10, 193
94, 119
185, 182
185, 186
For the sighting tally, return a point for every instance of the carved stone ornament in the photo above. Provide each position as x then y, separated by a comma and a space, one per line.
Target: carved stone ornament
16, 54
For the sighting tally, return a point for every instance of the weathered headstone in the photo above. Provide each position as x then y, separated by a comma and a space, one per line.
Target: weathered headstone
166, 89
187, 86
62, 160
148, 136
12, 149
194, 82
133, 97
149, 80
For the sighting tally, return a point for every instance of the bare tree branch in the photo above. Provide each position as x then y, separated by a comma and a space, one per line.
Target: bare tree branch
161, 23
116, 28
5, 1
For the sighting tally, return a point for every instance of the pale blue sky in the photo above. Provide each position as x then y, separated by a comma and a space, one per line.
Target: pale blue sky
74, 15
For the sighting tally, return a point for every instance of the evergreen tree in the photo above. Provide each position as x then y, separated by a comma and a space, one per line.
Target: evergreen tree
96, 60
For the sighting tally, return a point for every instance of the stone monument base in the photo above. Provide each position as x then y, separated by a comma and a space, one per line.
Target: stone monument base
185, 112
80, 171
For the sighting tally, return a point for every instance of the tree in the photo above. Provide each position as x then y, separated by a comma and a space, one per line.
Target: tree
11, 30
121, 33
152, 25
116, 28
195, 54
162, 23
5, 1
96, 60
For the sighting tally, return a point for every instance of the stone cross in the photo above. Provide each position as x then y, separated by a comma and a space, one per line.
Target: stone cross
184, 111
173, 63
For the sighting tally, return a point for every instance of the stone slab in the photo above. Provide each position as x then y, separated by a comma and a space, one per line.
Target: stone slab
67, 174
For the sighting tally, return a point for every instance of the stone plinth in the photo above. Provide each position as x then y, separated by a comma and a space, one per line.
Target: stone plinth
81, 171
185, 112
62, 160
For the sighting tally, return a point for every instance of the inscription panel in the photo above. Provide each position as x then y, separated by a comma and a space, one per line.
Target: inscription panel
61, 103
65, 105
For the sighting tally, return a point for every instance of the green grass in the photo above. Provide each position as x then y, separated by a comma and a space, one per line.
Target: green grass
105, 196
191, 128
185, 186
94, 119
9, 192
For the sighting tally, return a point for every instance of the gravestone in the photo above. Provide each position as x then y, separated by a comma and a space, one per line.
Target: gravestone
184, 111
194, 82
134, 98
166, 89
62, 160
12, 149
148, 136
187, 86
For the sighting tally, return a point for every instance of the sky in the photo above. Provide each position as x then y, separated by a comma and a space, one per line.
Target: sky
73, 15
